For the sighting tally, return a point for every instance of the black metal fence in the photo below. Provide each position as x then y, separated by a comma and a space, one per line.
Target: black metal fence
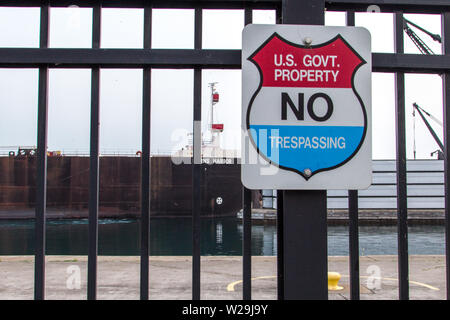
147, 59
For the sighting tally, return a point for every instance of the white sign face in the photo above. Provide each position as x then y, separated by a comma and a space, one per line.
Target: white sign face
306, 107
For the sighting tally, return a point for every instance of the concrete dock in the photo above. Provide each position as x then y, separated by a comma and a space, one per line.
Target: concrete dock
221, 277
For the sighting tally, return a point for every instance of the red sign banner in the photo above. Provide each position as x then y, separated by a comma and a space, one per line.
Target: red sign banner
286, 64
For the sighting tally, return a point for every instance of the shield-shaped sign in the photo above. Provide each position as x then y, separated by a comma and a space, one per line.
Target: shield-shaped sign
306, 116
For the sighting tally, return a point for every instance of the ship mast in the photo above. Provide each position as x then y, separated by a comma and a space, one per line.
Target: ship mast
212, 85
214, 128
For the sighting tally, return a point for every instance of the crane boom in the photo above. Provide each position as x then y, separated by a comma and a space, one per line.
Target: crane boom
418, 42
436, 138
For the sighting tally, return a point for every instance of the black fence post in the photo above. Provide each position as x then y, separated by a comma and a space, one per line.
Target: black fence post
247, 221
94, 184
280, 255
305, 211
41, 182
280, 236
446, 118
196, 166
247, 244
353, 244
353, 221
145, 160
402, 207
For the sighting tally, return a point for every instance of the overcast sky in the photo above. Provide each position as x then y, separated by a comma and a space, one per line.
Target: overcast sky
172, 90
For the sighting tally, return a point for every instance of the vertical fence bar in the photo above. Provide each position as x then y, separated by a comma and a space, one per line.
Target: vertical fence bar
446, 117
402, 209
350, 17
41, 183
145, 160
353, 221
248, 16
280, 236
278, 16
353, 244
280, 251
247, 244
94, 162
196, 166
247, 220
280, 255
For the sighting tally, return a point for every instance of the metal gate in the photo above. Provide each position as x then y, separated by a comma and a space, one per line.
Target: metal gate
197, 59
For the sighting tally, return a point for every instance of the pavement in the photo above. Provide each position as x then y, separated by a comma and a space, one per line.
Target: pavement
221, 277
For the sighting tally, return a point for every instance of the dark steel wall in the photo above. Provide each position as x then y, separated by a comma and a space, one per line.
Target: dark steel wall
120, 181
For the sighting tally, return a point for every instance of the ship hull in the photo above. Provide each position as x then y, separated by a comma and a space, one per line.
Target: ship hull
120, 190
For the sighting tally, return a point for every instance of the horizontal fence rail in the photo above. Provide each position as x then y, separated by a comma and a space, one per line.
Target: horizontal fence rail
188, 59
407, 6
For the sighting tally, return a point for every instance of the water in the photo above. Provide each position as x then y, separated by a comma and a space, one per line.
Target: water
221, 236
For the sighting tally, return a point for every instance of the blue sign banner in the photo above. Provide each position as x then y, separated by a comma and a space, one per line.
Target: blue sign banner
307, 147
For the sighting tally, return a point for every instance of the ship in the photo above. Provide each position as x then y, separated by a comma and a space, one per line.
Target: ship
171, 182
119, 180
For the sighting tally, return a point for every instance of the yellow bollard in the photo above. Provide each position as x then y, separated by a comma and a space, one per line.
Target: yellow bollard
333, 279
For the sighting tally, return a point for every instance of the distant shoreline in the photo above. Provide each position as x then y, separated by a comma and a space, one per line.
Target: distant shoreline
264, 216
382, 217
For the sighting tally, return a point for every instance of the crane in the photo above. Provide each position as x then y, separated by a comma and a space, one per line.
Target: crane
419, 43
424, 49
421, 112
